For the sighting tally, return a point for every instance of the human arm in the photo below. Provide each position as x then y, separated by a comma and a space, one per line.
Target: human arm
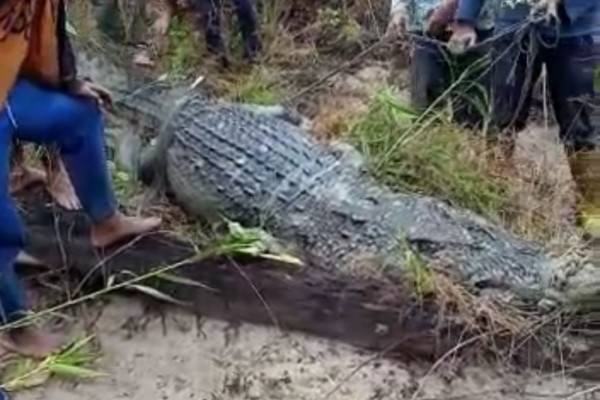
441, 17
467, 12
464, 35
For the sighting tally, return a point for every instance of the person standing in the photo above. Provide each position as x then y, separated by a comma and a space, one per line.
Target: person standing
564, 44
208, 16
434, 69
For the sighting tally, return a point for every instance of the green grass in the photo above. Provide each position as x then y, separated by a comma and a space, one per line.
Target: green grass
184, 53
428, 155
73, 363
258, 87
418, 274
124, 184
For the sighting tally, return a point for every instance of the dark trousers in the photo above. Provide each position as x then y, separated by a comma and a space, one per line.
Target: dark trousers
570, 70
434, 70
208, 13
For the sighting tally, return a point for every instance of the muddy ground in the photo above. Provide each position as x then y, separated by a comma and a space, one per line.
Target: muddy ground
177, 358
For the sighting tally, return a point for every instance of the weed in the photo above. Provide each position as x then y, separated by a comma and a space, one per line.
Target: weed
418, 274
125, 186
258, 87
72, 363
435, 158
184, 53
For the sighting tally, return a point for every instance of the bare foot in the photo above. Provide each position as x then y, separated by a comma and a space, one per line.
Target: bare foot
60, 188
22, 177
120, 227
32, 342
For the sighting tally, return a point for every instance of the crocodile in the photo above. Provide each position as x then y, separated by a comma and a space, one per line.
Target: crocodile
226, 160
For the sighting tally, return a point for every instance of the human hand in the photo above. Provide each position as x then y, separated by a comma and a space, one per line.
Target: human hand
463, 38
92, 91
440, 18
546, 10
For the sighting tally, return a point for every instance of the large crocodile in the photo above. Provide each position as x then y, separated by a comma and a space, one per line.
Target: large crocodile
227, 160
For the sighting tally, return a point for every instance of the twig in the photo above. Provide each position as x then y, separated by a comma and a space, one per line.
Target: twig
583, 393
255, 290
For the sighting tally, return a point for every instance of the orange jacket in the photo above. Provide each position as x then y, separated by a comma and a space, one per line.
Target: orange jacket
34, 43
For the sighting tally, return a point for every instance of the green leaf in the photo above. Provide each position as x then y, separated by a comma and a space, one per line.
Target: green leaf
76, 350
24, 374
73, 371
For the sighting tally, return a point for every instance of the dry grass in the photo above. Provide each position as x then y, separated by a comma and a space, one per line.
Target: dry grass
485, 316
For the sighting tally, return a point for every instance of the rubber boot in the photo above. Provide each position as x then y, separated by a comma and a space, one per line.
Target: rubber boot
585, 168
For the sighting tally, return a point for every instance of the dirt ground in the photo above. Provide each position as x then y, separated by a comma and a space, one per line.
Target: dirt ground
175, 358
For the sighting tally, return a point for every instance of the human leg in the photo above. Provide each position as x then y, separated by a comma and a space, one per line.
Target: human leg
428, 73
74, 127
515, 66
21, 175
571, 81
207, 14
249, 26
55, 176
470, 76
572, 97
26, 340
58, 184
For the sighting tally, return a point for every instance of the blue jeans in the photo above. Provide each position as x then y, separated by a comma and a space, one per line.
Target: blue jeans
72, 125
